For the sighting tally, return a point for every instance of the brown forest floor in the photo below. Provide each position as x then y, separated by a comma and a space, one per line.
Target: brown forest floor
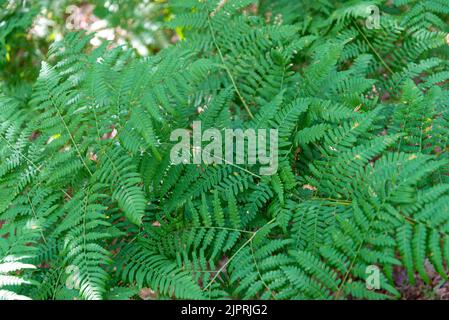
438, 289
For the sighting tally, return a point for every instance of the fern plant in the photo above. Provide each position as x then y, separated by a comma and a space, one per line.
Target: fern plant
92, 207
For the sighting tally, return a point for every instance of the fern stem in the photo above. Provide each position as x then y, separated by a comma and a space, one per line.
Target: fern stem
357, 252
223, 228
73, 140
55, 287
29, 161
340, 202
231, 77
20, 153
258, 271
35, 217
238, 167
235, 254
372, 48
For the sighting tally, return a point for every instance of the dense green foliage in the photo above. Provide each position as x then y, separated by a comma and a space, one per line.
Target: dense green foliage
92, 208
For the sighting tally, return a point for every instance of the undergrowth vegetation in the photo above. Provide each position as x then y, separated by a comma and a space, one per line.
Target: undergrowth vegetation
91, 206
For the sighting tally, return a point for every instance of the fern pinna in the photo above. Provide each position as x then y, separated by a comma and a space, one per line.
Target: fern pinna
91, 206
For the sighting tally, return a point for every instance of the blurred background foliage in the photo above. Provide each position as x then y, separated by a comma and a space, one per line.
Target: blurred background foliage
28, 27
